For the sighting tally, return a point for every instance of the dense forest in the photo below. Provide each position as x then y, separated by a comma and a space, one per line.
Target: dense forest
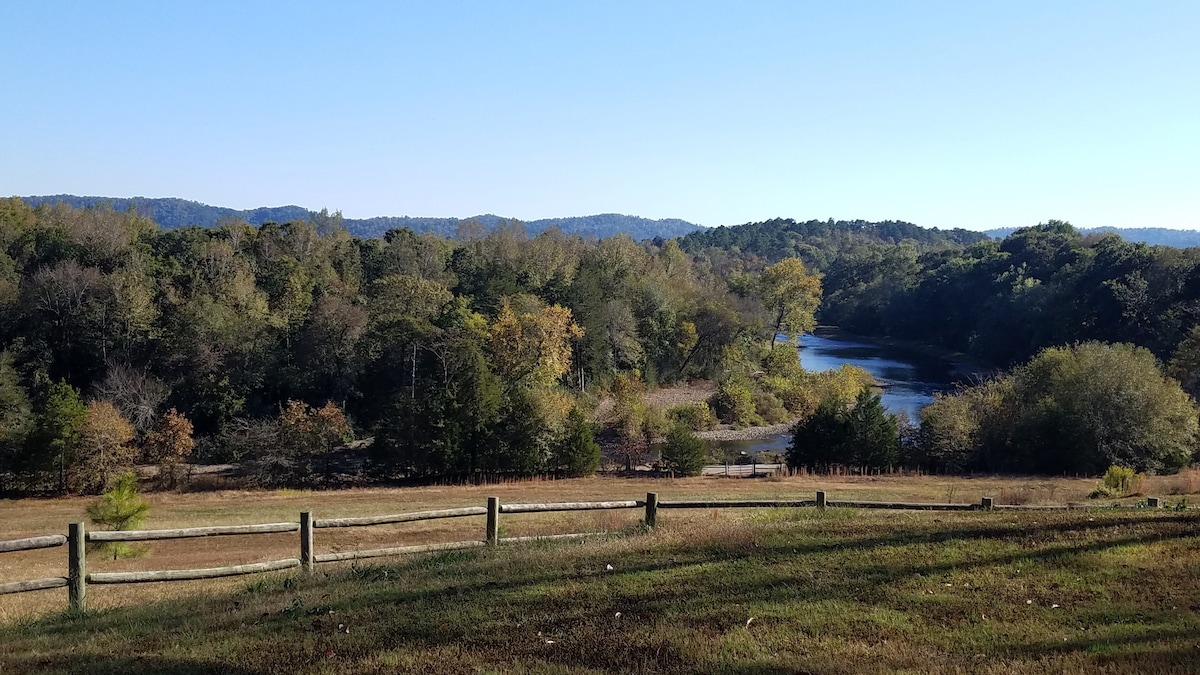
271, 346
1002, 301
171, 213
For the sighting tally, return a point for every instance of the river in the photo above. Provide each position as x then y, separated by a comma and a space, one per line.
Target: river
908, 376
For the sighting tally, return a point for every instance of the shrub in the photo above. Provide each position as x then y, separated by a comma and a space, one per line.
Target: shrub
695, 416
683, 453
1069, 409
654, 423
783, 360
800, 399
1118, 481
770, 408
734, 404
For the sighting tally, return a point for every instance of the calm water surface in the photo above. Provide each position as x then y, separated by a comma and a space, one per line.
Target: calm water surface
909, 378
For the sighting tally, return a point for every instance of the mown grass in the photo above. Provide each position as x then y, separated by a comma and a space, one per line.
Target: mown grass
22, 518
775, 592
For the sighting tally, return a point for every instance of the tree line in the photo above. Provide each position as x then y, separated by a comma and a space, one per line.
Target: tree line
490, 353
1000, 300
273, 345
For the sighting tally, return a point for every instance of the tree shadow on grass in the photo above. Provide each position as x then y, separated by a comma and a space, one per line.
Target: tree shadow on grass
677, 602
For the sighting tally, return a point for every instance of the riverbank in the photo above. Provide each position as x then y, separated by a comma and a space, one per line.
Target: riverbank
746, 433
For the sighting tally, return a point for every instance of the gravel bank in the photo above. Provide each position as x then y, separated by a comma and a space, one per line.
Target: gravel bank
747, 434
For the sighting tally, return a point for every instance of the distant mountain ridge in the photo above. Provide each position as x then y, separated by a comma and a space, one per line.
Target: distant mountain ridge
1154, 236
172, 212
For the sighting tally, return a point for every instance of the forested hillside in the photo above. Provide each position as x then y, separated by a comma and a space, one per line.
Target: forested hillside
172, 213
1002, 301
121, 341
819, 242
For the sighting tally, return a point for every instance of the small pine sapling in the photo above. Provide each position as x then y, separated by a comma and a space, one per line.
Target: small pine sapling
120, 508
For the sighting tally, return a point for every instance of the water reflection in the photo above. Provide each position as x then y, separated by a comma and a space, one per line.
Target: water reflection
909, 379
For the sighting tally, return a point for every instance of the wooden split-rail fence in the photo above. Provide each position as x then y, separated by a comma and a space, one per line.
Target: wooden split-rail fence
77, 579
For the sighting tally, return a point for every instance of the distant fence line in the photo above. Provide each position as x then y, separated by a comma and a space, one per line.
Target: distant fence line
77, 578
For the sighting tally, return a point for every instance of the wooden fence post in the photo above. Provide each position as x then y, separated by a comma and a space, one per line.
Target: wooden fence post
306, 541
493, 521
76, 568
986, 503
820, 499
1152, 502
651, 509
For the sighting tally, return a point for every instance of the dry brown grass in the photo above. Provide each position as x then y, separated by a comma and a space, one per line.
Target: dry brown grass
23, 518
1186, 482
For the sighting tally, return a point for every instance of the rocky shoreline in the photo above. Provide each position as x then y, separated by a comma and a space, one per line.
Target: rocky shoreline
747, 433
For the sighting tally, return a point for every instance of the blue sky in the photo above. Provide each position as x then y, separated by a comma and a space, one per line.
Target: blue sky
946, 114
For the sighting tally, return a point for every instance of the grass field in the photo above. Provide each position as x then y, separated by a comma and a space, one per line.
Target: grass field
749, 591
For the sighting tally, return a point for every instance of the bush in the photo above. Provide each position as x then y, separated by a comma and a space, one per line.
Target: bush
734, 404
1118, 481
695, 416
684, 452
655, 423
800, 399
770, 408
1069, 409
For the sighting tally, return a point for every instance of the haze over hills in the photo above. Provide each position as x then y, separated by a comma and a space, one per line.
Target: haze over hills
780, 235
1159, 236
173, 212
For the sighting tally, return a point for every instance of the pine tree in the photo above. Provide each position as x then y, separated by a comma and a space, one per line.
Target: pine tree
120, 508
578, 454
684, 452
864, 434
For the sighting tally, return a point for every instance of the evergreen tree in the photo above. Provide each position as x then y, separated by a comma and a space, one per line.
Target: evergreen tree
684, 452
578, 453
863, 434
120, 508
52, 445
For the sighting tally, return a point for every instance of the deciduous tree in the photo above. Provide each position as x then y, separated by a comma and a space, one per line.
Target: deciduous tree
792, 295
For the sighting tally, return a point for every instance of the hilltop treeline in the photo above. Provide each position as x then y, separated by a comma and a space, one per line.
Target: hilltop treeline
170, 213
272, 345
1002, 301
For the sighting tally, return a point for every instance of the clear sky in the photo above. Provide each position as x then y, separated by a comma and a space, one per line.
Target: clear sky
951, 114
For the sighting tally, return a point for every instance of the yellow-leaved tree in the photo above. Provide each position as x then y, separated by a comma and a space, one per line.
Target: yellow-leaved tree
792, 295
532, 347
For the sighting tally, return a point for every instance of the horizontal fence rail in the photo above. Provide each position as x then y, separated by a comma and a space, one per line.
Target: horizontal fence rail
902, 506
190, 532
33, 585
77, 578
190, 575
550, 537
31, 543
736, 503
400, 517
396, 550
570, 506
